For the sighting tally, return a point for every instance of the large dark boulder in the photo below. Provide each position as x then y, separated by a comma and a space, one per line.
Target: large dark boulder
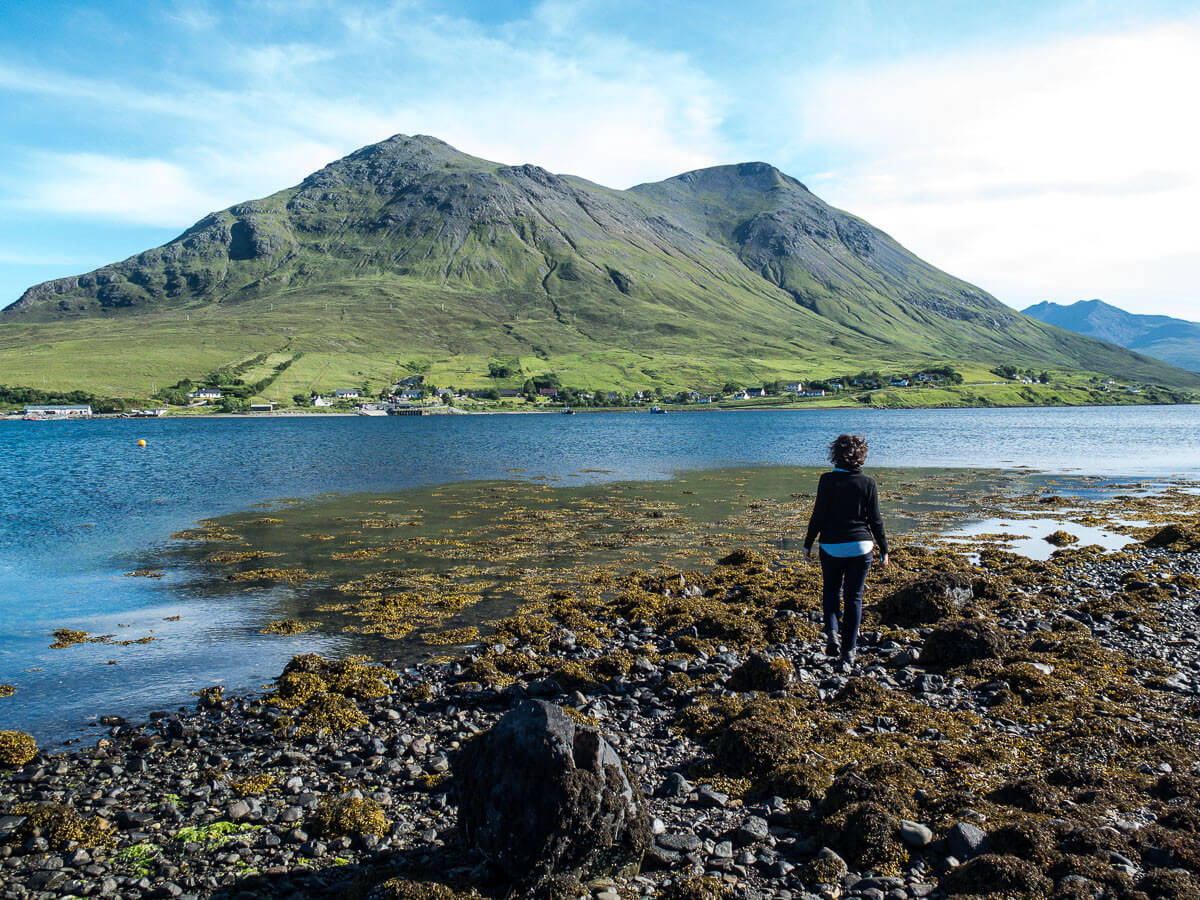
541, 796
927, 599
960, 642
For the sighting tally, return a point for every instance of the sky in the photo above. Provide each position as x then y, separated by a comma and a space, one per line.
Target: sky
1041, 150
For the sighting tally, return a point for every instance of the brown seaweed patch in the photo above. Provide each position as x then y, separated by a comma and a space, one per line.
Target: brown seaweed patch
62, 826
451, 636
255, 785
68, 637
1060, 538
349, 816
287, 626
284, 576
16, 748
226, 557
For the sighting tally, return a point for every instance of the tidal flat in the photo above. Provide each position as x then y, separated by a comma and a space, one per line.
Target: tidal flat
1015, 727
395, 573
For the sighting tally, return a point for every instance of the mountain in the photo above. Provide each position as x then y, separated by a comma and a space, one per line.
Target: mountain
409, 255
1176, 341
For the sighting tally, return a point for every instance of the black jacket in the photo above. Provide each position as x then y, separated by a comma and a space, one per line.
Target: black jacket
846, 509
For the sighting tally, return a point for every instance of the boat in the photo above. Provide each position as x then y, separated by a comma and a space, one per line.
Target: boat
658, 410
567, 411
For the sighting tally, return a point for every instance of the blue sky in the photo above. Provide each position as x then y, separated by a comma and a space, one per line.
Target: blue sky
1041, 150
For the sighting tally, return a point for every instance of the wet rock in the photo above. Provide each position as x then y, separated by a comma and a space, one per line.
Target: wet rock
540, 796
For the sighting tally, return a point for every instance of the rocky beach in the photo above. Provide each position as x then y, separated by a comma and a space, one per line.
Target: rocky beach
1013, 728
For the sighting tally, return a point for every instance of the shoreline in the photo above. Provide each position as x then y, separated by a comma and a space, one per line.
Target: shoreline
772, 407
1074, 641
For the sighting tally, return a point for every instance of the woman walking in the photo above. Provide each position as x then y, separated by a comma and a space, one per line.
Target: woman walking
846, 518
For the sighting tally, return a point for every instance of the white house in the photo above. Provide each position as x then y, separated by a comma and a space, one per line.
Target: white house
318, 400
346, 394
794, 387
205, 393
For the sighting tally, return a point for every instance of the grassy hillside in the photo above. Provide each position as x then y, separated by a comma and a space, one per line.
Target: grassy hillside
409, 256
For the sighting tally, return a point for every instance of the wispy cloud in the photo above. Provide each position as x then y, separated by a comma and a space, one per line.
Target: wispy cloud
528, 91
144, 191
1063, 171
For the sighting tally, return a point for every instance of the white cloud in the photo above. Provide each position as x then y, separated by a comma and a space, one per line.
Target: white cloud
145, 191
1062, 171
528, 91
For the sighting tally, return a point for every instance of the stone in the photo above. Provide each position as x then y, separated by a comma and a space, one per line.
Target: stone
752, 830
239, 809
680, 842
675, 785
915, 834
540, 796
710, 797
966, 841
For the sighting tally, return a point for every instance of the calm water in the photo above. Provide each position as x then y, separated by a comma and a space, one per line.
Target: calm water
83, 505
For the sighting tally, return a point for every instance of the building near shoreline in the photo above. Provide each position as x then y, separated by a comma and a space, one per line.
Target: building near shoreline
55, 411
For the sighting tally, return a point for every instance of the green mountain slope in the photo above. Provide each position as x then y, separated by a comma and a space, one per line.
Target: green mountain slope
408, 254
1176, 341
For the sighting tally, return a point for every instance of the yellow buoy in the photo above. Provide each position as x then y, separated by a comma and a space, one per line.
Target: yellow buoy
142, 442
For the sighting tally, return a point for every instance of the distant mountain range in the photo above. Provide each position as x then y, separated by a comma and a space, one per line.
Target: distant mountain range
410, 255
1176, 341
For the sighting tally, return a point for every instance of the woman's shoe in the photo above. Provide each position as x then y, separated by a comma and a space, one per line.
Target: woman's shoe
831, 649
848, 661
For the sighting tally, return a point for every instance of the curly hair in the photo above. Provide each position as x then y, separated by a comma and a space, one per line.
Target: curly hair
848, 451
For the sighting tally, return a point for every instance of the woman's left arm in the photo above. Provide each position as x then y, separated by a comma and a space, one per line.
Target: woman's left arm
875, 521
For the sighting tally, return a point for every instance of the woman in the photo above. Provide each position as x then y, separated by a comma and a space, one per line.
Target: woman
846, 518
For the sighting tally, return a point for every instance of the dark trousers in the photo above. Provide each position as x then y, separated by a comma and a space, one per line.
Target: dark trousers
843, 579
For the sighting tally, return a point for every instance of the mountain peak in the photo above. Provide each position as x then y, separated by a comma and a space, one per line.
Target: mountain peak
1175, 340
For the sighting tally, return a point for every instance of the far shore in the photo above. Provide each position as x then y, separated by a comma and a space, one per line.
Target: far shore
443, 411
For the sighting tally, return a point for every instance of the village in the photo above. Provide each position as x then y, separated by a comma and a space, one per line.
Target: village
223, 392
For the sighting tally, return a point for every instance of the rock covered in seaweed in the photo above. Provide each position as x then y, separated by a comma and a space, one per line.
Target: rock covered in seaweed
542, 797
963, 641
927, 599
